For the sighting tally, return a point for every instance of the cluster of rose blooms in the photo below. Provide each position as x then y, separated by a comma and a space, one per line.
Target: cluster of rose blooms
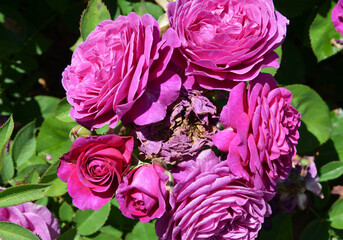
203, 172
201, 176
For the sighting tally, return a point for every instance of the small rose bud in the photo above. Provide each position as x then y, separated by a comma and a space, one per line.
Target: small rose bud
79, 131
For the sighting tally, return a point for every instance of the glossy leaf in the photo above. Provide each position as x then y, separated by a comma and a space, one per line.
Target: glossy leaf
24, 144
46, 104
89, 221
22, 193
331, 170
322, 32
95, 13
337, 131
7, 171
336, 214
142, 231
62, 110
5, 135
57, 188
53, 138
65, 212
11, 231
316, 230
314, 113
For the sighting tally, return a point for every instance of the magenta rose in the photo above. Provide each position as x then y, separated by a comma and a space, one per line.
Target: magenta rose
37, 218
261, 131
227, 41
120, 72
337, 16
209, 202
94, 167
143, 193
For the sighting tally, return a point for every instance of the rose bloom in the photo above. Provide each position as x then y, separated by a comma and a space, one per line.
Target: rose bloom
261, 131
227, 41
94, 167
120, 72
37, 218
143, 193
337, 16
209, 202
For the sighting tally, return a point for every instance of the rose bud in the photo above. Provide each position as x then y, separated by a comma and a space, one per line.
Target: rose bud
143, 193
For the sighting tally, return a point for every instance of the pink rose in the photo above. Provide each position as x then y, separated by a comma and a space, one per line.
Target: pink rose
209, 202
120, 72
261, 131
337, 16
142, 195
227, 41
37, 218
94, 167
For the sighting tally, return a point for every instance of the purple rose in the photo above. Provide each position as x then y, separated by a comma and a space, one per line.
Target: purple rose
120, 72
143, 194
337, 16
209, 202
227, 41
94, 167
261, 131
38, 219
188, 127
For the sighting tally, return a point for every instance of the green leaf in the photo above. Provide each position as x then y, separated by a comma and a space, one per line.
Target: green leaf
337, 132
272, 70
125, 6
68, 235
331, 170
50, 174
107, 232
24, 144
322, 31
316, 230
314, 114
22, 193
89, 221
154, 9
11, 231
62, 110
24, 174
7, 171
66, 212
53, 138
5, 135
95, 13
140, 8
57, 188
142, 231
46, 104
336, 214
282, 228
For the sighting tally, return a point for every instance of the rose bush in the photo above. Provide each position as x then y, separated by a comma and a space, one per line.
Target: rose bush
94, 167
36, 218
120, 72
261, 131
143, 193
208, 202
337, 16
228, 41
